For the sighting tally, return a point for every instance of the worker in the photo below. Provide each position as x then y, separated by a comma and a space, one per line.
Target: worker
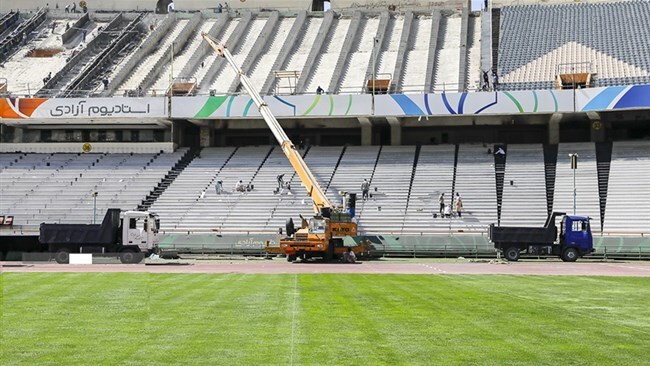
280, 179
239, 187
319, 90
458, 205
447, 211
350, 256
219, 187
365, 187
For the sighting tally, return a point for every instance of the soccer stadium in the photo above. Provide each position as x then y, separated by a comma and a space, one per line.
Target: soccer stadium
234, 156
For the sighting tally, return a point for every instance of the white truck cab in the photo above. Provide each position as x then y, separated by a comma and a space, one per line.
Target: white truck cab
141, 228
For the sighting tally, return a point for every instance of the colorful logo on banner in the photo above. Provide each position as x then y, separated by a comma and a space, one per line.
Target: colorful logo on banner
620, 97
19, 107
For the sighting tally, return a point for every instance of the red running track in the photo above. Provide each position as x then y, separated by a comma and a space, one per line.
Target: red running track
580, 268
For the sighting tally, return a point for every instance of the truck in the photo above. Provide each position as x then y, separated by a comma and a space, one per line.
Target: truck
127, 234
321, 236
574, 240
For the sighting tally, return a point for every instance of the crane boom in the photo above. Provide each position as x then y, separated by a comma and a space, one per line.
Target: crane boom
323, 235
306, 177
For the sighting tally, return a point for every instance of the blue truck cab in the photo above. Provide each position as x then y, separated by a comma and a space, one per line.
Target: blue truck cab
576, 233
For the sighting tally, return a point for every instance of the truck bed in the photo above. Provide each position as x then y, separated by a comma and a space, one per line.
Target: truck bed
522, 235
86, 234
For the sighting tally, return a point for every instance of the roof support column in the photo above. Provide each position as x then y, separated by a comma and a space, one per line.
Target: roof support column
204, 134
366, 131
554, 128
598, 130
395, 131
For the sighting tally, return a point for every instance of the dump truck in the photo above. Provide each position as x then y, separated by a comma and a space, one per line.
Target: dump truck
130, 235
574, 239
323, 234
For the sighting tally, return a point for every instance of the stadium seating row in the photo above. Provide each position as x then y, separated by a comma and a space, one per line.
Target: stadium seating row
404, 194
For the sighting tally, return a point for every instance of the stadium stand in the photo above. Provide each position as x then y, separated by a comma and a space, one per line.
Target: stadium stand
524, 190
628, 197
22, 33
608, 36
57, 187
404, 192
390, 183
152, 62
419, 49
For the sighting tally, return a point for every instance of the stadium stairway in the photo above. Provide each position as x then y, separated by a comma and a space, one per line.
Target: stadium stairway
232, 35
338, 162
372, 174
550, 167
496, 23
391, 178
269, 38
90, 77
280, 192
322, 161
628, 193
408, 195
433, 175
131, 60
603, 167
77, 64
500, 158
434, 61
352, 37
455, 170
162, 67
168, 179
291, 41
7, 21
312, 45
523, 196
402, 49
198, 54
465, 42
143, 72
22, 33
245, 210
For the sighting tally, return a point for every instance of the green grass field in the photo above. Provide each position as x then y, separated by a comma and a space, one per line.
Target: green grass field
237, 319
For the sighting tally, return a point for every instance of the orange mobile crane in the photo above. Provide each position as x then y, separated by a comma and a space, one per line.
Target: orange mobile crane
322, 235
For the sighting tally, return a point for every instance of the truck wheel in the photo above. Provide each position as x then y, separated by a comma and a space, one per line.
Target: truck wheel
570, 255
129, 256
62, 256
512, 254
291, 258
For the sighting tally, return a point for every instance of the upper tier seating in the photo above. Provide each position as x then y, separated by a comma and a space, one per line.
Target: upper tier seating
536, 39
